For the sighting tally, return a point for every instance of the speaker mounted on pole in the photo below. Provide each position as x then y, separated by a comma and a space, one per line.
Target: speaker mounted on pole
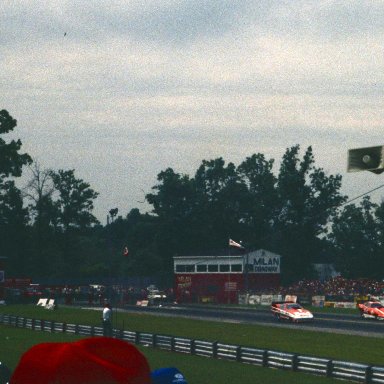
366, 159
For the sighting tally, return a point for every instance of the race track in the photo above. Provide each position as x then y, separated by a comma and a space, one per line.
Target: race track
332, 323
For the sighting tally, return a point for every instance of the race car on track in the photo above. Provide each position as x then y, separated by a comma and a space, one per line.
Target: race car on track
371, 310
288, 310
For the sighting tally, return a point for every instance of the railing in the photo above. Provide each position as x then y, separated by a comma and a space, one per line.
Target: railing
262, 357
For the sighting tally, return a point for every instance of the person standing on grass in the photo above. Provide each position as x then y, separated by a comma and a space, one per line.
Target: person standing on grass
107, 320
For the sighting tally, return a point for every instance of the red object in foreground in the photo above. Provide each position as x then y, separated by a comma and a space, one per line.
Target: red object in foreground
92, 360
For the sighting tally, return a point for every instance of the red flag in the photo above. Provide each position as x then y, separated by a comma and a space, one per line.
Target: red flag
125, 251
234, 244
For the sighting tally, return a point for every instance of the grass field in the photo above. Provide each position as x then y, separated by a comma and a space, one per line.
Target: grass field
343, 347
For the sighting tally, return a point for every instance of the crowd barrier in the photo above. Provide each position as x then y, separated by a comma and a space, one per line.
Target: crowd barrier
343, 370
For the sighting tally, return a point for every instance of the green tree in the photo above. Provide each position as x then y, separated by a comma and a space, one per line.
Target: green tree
357, 238
287, 214
13, 227
221, 197
11, 161
261, 200
39, 192
139, 233
173, 201
307, 199
74, 201
13, 217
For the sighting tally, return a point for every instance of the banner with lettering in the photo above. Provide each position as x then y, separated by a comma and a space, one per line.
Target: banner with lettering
264, 262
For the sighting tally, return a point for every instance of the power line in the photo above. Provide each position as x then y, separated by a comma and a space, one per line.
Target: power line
336, 207
362, 195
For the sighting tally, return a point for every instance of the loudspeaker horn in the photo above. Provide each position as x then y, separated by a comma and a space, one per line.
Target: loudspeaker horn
366, 159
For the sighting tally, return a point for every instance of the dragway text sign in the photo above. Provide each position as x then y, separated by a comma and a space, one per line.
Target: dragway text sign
265, 264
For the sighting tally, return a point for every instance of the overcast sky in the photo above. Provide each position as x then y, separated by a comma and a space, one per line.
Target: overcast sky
121, 90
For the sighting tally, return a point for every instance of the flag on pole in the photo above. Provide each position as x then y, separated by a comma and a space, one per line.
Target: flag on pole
125, 251
234, 244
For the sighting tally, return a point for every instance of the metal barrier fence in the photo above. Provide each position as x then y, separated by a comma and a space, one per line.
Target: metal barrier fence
274, 359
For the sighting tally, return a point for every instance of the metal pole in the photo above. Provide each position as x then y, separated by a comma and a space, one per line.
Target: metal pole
246, 273
229, 275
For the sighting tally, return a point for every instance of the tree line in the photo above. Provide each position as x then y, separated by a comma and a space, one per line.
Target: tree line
48, 230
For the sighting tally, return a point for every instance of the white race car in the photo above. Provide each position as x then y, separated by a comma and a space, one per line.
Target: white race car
288, 310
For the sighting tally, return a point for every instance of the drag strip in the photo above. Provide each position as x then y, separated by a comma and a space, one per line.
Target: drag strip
323, 322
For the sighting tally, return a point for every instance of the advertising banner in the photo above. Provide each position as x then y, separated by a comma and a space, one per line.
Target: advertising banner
266, 299
277, 298
318, 301
184, 282
254, 299
264, 263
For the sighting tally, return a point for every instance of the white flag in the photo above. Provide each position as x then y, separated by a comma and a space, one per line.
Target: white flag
234, 244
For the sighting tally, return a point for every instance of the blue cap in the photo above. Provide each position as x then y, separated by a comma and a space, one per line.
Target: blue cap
169, 375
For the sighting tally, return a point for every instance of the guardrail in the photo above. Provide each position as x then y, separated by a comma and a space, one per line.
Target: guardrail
262, 357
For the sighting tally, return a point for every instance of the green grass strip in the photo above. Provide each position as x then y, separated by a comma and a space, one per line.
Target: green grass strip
358, 349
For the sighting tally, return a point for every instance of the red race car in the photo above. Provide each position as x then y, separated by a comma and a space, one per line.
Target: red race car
371, 310
288, 310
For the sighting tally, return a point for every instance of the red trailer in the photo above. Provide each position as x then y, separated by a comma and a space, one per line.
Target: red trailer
220, 279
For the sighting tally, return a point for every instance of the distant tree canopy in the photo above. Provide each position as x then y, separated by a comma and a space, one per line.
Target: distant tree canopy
285, 214
13, 216
297, 212
11, 161
357, 238
75, 200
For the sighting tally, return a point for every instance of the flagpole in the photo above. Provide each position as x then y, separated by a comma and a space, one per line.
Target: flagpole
232, 243
229, 273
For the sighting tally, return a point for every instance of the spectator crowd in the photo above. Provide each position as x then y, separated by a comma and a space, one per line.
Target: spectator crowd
337, 286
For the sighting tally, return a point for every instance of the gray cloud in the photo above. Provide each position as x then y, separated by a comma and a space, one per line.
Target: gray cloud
135, 87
